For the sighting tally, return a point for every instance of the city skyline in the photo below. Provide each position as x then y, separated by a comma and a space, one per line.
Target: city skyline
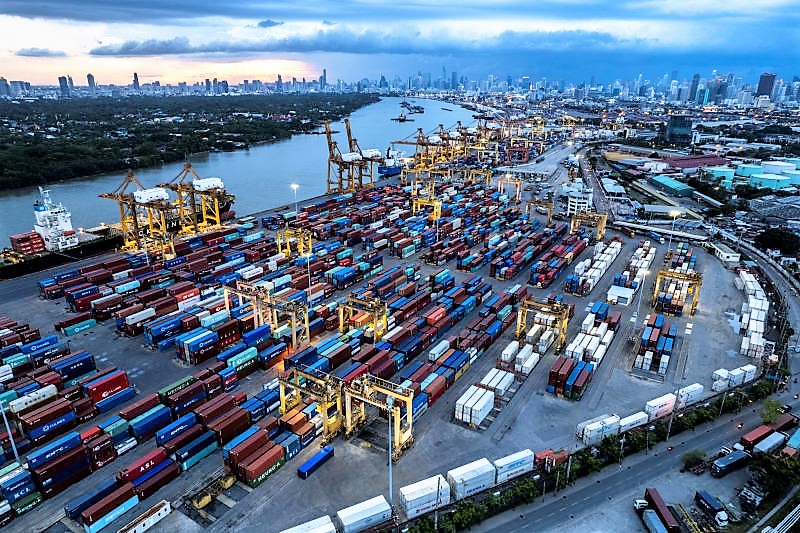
353, 39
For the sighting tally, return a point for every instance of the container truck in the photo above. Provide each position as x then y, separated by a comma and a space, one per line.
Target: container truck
728, 463
664, 514
652, 522
712, 507
657, 237
752, 438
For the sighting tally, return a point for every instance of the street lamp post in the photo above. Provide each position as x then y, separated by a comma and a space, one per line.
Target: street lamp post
8, 431
294, 188
390, 404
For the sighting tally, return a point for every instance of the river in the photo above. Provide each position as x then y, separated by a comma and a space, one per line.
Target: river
260, 177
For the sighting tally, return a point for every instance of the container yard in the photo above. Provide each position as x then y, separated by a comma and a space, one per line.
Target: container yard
148, 377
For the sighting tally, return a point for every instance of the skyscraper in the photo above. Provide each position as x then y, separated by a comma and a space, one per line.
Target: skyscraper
324, 79
70, 85
135, 81
693, 87
90, 81
5, 90
765, 84
63, 87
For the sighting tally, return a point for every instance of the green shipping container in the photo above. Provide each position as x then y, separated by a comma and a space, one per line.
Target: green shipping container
177, 386
116, 428
80, 327
271, 470
27, 503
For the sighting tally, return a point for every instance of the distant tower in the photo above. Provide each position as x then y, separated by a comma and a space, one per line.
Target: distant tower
63, 87
324, 80
279, 84
693, 87
135, 81
90, 81
765, 85
5, 90
70, 85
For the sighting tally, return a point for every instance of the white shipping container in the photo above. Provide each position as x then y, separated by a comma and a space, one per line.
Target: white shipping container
632, 421
529, 363
534, 333
514, 465
719, 385
504, 384
509, 353
424, 496
32, 398
463, 400
749, 372
438, 350
524, 353
719, 374
735, 377
471, 478
481, 408
365, 514
323, 524
689, 395
139, 317
579, 429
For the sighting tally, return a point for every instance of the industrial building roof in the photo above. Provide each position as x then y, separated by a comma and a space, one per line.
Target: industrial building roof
695, 161
670, 183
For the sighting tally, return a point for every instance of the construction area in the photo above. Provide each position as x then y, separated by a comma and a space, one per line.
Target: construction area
436, 317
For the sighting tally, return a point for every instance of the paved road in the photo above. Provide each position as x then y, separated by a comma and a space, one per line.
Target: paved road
552, 512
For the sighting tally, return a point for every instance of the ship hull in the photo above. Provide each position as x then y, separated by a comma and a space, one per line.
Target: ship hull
37, 263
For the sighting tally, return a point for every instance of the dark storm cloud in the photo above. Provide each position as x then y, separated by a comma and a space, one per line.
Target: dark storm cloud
374, 42
39, 52
269, 23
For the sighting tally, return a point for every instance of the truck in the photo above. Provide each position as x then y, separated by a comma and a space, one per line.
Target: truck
712, 507
657, 504
752, 438
540, 159
770, 444
656, 237
730, 462
652, 522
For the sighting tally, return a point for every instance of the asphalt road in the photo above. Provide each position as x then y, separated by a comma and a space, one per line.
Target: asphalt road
552, 512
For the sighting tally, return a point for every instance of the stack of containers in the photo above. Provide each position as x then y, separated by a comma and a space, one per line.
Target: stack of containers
720, 380
595, 432
471, 478
754, 315
424, 496
597, 332
633, 275
589, 271
365, 515
474, 405
149, 473
631, 421
18, 488
661, 406
59, 465
656, 345
688, 395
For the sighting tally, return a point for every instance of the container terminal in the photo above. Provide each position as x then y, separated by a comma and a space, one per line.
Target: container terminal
443, 318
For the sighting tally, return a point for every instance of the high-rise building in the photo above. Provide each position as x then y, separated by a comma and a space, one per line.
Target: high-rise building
63, 86
693, 87
135, 81
279, 84
323, 80
90, 81
765, 84
5, 90
71, 85
454, 80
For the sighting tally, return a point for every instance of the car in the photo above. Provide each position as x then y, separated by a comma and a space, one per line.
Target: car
640, 504
785, 408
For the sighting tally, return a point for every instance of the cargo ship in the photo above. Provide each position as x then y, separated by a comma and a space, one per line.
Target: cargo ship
53, 240
392, 165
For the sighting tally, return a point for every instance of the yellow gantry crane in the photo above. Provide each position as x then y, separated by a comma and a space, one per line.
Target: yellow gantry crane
387, 396
540, 203
419, 201
294, 239
375, 307
144, 214
268, 309
323, 388
554, 314
509, 179
693, 280
369, 158
595, 220
344, 169
197, 217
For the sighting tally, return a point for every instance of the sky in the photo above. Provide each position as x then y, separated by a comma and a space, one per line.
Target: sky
574, 40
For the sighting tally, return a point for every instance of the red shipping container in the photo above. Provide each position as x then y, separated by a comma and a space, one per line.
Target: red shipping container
139, 407
158, 481
107, 504
191, 433
142, 465
107, 386
435, 389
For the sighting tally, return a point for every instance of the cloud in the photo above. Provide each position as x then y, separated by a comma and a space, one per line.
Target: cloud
269, 23
370, 41
39, 52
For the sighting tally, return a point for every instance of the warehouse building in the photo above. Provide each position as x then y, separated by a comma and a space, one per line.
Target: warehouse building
670, 186
727, 257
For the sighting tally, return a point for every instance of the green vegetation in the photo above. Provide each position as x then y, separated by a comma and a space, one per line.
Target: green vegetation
693, 458
48, 140
771, 411
787, 242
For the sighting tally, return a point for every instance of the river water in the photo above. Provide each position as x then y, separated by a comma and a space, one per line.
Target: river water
260, 177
